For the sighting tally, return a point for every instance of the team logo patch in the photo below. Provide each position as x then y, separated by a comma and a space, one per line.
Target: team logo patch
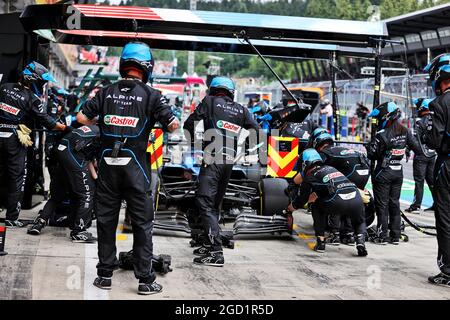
331, 176
119, 121
85, 129
9, 109
398, 152
228, 126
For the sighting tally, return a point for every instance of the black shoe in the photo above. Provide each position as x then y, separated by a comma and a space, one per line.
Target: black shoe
149, 288
430, 208
103, 283
14, 224
82, 237
360, 245
320, 246
201, 251
380, 241
37, 226
441, 279
413, 210
213, 258
333, 239
348, 239
394, 241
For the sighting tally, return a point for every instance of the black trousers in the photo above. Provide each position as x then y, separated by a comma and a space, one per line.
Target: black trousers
387, 186
127, 179
14, 158
81, 183
352, 208
59, 187
213, 181
423, 171
442, 211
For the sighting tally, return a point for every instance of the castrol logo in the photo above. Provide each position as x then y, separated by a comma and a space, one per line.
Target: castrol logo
119, 121
398, 152
9, 109
228, 126
331, 176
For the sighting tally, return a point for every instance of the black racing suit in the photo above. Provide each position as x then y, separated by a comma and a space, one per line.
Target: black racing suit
388, 149
336, 194
127, 112
18, 105
74, 153
438, 138
423, 164
224, 119
355, 166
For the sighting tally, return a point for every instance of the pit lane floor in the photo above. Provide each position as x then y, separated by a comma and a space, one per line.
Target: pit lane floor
50, 266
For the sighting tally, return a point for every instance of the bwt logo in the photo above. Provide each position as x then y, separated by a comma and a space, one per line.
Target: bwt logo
73, 21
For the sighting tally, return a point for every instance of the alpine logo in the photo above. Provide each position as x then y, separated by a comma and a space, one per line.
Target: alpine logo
9, 109
228, 126
119, 121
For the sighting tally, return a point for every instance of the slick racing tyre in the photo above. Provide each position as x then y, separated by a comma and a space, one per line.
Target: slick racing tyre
273, 199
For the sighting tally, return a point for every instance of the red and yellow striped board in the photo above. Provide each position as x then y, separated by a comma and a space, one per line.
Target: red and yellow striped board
282, 156
156, 149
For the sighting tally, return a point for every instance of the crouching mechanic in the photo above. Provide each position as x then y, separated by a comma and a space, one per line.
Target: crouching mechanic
330, 192
20, 103
226, 119
127, 111
76, 153
355, 167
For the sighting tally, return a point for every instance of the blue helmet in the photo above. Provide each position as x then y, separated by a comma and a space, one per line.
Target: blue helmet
385, 114
222, 83
137, 55
438, 69
35, 76
422, 105
322, 138
310, 157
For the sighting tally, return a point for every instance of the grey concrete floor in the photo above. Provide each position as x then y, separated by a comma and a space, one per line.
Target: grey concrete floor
50, 266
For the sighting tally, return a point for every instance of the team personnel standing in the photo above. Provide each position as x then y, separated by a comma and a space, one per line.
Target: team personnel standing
19, 104
355, 167
388, 148
330, 192
127, 111
438, 138
227, 118
75, 154
423, 164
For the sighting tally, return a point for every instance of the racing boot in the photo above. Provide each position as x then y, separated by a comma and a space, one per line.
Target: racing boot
360, 246
334, 239
146, 289
395, 241
203, 250
37, 226
441, 279
430, 208
320, 245
104, 283
413, 210
82, 237
348, 239
213, 258
14, 224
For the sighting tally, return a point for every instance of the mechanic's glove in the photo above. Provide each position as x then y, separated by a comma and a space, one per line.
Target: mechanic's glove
68, 129
23, 133
365, 196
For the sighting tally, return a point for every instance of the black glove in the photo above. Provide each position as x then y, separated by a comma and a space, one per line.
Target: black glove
68, 129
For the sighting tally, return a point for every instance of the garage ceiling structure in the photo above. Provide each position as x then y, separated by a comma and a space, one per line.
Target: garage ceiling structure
420, 30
